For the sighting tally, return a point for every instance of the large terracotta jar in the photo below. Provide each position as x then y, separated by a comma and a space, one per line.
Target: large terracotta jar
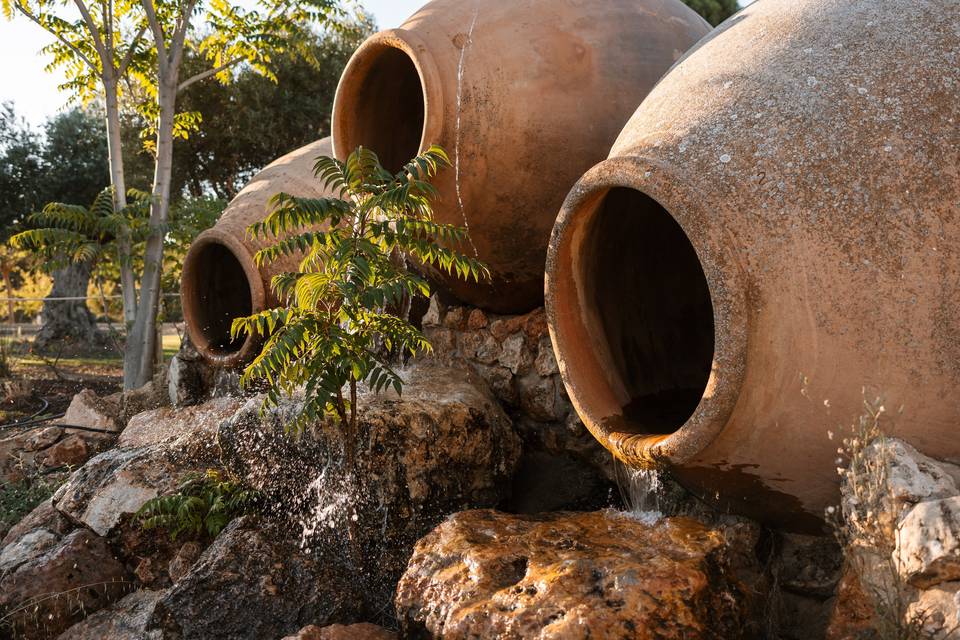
525, 95
776, 229
220, 279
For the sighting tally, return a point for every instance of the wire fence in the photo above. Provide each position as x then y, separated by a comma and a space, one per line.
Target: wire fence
22, 316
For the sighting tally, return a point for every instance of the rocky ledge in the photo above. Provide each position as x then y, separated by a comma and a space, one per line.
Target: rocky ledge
483, 574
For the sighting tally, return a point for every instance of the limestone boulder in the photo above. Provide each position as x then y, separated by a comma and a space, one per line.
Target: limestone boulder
116, 483
161, 447
928, 543
254, 582
88, 410
60, 584
483, 574
168, 425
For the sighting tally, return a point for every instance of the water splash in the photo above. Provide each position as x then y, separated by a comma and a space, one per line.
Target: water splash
641, 491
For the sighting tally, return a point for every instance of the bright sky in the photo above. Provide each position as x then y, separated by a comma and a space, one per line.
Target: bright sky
34, 92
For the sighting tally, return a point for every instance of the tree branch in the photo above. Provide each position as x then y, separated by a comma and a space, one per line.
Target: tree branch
94, 33
209, 72
157, 34
59, 37
128, 57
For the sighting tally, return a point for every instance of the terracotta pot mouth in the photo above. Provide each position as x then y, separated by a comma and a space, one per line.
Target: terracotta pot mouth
389, 100
220, 282
646, 317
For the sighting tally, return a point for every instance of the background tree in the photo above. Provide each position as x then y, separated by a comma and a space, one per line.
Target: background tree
714, 11
146, 42
67, 163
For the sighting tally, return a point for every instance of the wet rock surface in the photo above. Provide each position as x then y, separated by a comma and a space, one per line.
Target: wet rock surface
483, 574
444, 446
255, 582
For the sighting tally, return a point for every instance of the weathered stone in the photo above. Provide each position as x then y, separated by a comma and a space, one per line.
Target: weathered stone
125, 619
186, 557
546, 362
505, 326
77, 576
361, 631
540, 399
515, 355
911, 476
809, 565
30, 545
854, 615
937, 611
477, 320
115, 483
445, 446
88, 410
161, 447
167, 424
254, 583
44, 516
455, 318
928, 543
72, 451
483, 574
488, 351
434, 315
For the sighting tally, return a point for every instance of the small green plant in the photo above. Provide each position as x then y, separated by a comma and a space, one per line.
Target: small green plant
203, 504
338, 329
17, 499
340, 325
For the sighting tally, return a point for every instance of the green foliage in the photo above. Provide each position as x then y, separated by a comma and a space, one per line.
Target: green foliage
338, 329
65, 233
714, 11
202, 505
17, 499
276, 117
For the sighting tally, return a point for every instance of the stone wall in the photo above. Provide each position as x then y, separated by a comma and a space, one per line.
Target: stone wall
563, 465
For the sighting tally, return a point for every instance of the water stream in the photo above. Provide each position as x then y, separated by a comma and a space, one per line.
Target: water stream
641, 491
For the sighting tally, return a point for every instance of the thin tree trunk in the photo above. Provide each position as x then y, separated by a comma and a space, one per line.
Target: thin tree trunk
115, 151
138, 358
9, 286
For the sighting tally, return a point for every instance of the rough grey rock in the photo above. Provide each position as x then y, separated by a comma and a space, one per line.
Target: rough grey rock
125, 619
44, 516
169, 424
254, 583
115, 483
161, 447
47, 594
928, 543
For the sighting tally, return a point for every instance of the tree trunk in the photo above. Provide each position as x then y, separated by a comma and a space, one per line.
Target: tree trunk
68, 323
142, 340
115, 153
